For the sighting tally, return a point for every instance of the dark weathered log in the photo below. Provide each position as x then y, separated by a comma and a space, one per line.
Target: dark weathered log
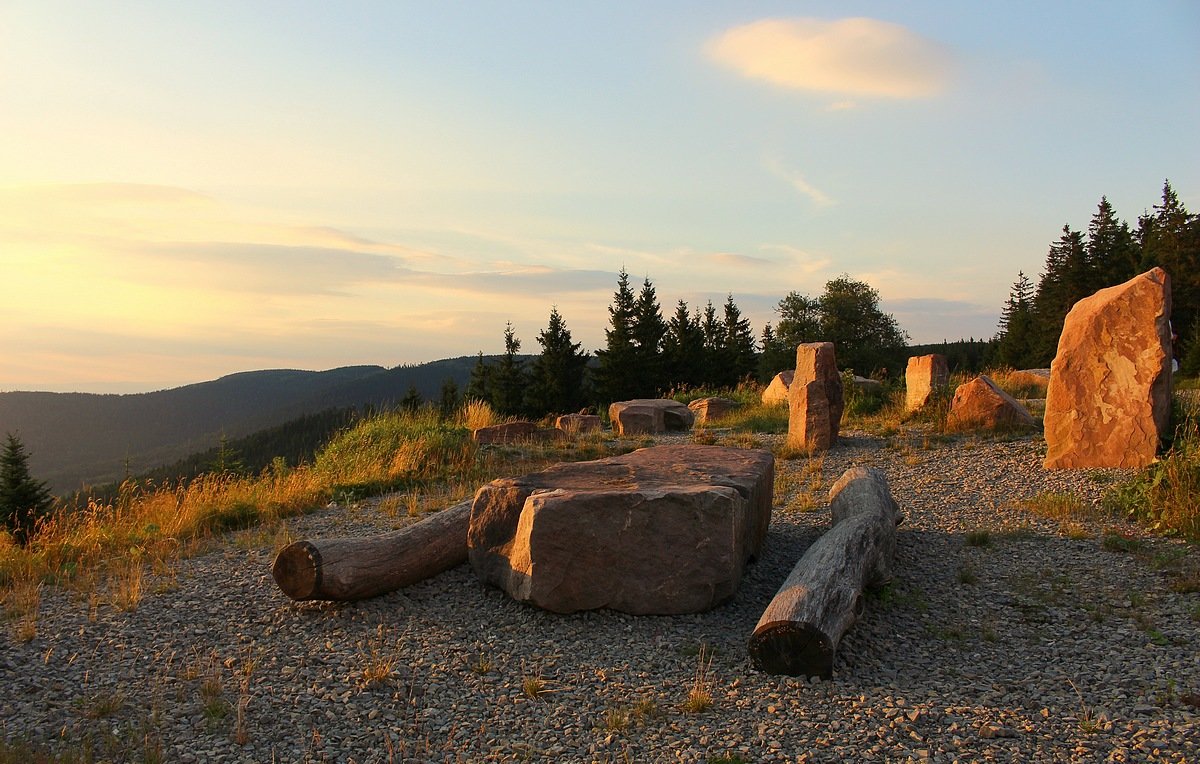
357, 568
822, 598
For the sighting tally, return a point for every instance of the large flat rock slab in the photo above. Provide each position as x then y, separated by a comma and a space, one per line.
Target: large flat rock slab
662, 530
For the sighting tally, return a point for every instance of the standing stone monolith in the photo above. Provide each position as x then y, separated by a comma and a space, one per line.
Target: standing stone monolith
925, 376
815, 398
1109, 400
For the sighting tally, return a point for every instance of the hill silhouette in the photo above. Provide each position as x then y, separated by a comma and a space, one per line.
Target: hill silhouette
77, 439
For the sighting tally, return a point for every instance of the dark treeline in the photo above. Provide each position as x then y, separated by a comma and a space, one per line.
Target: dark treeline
1108, 253
647, 355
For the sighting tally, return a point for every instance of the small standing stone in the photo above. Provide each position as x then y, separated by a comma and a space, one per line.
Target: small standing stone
924, 377
816, 398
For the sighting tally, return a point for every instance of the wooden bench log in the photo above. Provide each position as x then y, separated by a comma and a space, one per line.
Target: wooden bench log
822, 598
357, 568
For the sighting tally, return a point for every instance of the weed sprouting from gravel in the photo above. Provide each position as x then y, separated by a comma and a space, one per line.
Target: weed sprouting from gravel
979, 538
699, 697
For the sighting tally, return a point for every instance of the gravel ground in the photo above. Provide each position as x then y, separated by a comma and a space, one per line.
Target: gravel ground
1039, 645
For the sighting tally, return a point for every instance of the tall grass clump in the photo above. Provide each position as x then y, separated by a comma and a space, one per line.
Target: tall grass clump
1019, 384
395, 449
1165, 496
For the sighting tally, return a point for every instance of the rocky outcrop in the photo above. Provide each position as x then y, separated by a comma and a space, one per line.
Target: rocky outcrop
650, 416
815, 398
710, 409
981, 405
514, 432
661, 530
1109, 400
925, 377
776, 393
574, 424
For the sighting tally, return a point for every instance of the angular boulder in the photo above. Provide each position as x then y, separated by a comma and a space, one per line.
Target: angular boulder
662, 530
776, 393
981, 405
1109, 399
710, 409
650, 416
924, 378
815, 398
514, 432
867, 385
574, 424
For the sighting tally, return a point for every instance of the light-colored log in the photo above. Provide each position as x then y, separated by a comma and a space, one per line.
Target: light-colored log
357, 568
822, 598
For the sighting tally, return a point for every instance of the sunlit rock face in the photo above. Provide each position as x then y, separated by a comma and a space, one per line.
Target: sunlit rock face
1109, 400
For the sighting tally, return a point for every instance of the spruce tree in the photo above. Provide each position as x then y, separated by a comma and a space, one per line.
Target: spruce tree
448, 401
508, 377
711, 330
617, 373
738, 359
412, 400
647, 331
683, 348
1110, 251
1064, 282
1014, 346
23, 500
479, 387
775, 356
556, 383
1171, 239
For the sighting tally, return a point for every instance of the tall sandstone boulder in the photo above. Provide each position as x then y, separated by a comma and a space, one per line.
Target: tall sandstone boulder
925, 376
815, 398
662, 530
1109, 400
981, 405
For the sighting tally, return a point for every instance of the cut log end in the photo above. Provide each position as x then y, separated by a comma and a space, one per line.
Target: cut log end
297, 570
791, 648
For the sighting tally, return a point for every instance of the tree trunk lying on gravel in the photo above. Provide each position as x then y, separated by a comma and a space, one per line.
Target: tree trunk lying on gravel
822, 598
357, 568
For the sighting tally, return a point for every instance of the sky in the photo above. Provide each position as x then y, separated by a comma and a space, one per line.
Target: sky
193, 189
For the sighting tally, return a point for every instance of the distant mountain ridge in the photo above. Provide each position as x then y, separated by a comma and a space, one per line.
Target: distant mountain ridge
85, 438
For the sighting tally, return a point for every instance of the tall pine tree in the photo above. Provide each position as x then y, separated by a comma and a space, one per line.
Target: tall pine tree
683, 348
1014, 347
617, 374
738, 359
1065, 280
1171, 239
648, 331
508, 377
556, 384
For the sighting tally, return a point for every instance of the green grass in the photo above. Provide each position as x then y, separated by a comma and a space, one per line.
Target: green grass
1165, 496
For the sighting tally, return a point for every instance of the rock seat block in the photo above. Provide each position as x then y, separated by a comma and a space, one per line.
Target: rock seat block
662, 530
650, 416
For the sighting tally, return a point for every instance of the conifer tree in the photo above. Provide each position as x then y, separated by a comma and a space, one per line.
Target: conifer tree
557, 377
711, 330
23, 500
448, 401
683, 348
508, 377
774, 356
479, 387
647, 331
1171, 239
1064, 282
616, 375
1014, 346
738, 359
1110, 251
412, 400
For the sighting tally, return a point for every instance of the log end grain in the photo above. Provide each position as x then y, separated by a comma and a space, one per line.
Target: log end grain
791, 648
297, 570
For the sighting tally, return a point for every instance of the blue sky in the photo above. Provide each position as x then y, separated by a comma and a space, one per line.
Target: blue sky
193, 189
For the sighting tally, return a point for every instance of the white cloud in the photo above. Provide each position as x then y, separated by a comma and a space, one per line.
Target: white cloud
801, 184
857, 56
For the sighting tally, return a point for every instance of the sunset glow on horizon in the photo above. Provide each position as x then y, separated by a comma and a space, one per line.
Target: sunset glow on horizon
189, 190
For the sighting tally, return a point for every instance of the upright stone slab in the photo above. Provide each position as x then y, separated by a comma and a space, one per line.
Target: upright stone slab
815, 398
924, 377
662, 530
1109, 400
981, 405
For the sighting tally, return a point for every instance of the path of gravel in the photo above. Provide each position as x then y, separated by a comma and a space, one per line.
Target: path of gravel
1039, 646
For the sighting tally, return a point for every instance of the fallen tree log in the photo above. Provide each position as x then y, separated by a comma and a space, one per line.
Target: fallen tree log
822, 598
357, 568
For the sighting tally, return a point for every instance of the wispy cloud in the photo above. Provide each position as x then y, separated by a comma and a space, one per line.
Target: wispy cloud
800, 183
854, 56
742, 261
806, 262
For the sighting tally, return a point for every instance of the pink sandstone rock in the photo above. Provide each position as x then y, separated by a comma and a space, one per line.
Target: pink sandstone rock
925, 376
981, 405
1109, 400
574, 424
776, 393
710, 409
650, 416
662, 530
815, 398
